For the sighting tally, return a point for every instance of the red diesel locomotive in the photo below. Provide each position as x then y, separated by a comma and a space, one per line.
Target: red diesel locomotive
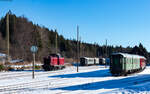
53, 62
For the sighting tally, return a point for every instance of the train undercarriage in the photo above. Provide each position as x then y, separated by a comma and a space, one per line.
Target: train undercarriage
125, 73
50, 68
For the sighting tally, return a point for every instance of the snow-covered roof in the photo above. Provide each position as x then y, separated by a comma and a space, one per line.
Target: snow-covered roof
2, 55
87, 57
15, 61
129, 55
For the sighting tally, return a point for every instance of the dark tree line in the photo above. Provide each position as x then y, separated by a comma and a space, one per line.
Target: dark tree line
24, 34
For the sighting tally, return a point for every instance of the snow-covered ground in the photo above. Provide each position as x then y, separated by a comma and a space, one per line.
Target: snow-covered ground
89, 80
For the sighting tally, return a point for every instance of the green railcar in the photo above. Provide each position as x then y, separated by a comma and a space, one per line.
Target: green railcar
122, 64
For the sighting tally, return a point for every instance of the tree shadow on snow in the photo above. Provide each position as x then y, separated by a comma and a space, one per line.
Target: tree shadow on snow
109, 84
97, 73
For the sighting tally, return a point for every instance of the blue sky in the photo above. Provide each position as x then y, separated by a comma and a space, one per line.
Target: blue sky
121, 22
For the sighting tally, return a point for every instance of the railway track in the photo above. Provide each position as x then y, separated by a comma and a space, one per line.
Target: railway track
15, 75
29, 85
44, 84
29, 75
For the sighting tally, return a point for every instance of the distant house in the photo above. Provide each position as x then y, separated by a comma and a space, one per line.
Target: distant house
2, 58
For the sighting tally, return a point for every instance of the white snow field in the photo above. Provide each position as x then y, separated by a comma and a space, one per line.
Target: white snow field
89, 80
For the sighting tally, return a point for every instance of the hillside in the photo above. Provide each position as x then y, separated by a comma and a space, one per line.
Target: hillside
24, 34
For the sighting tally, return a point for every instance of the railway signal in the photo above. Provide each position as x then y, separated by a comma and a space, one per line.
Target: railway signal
33, 49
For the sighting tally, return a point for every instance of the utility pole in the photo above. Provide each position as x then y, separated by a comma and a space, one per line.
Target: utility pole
56, 43
80, 47
7, 30
95, 49
77, 48
106, 55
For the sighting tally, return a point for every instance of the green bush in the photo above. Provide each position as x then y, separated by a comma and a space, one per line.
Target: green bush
37, 67
2, 67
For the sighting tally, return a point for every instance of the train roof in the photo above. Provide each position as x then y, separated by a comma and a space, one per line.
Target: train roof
85, 57
129, 55
89, 57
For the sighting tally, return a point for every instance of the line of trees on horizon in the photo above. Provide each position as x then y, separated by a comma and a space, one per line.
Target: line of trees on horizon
24, 34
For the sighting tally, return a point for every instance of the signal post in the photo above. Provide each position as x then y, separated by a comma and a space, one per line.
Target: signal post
33, 49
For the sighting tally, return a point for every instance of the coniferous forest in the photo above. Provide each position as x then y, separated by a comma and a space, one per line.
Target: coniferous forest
24, 34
